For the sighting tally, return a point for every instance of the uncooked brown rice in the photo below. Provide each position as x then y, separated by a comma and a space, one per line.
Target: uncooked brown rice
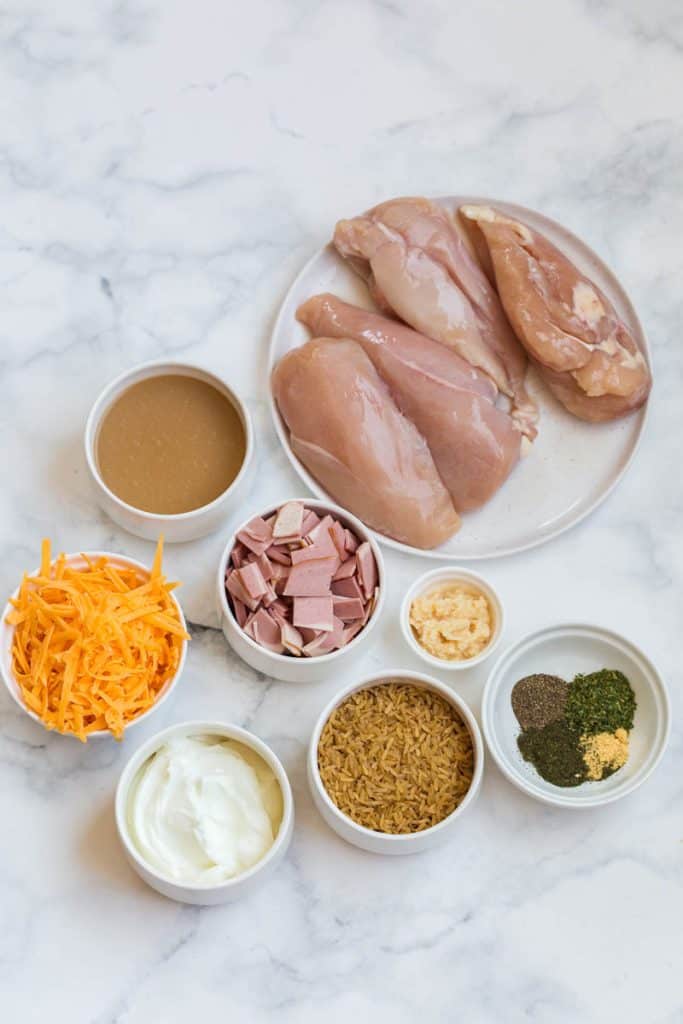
396, 757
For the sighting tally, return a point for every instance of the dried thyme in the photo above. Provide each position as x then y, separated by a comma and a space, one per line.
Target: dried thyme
555, 752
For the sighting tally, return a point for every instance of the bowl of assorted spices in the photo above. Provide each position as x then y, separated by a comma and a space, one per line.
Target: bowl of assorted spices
394, 762
576, 715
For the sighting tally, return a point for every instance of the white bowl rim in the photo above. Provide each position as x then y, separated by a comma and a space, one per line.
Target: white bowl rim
455, 573
11, 684
101, 405
430, 683
203, 727
359, 528
559, 799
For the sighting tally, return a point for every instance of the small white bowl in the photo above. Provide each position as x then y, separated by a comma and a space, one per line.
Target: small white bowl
233, 888
381, 842
565, 650
182, 526
284, 666
431, 581
7, 637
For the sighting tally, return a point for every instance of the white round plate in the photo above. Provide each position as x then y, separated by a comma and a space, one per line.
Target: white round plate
566, 650
572, 466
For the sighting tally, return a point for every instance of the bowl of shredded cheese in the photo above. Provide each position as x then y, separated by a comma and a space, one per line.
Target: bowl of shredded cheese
92, 643
452, 618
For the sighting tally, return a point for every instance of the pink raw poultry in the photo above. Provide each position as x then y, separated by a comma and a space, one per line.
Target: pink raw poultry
584, 352
418, 266
346, 429
474, 444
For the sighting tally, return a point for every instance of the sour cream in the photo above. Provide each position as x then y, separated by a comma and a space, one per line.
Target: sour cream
204, 809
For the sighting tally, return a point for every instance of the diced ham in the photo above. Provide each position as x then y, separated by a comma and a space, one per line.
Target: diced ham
266, 566
338, 535
346, 569
367, 569
350, 541
251, 578
309, 634
301, 584
236, 589
291, 639
280, 609
348, 608
239, 554
240, 610
347, 588
326, 642
266, 631
289, 521
370, 606
316, 549
322, 538
351, 631
278, 554
313, 612
256, 535
310, 579
311, 520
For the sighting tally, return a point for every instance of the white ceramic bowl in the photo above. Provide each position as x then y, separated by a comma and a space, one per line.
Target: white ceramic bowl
431, 581
285, 666
566, 650
7, 637
182, 526
241, 885
380, 842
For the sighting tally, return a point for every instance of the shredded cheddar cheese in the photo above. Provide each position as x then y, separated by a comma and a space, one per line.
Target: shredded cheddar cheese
95, 645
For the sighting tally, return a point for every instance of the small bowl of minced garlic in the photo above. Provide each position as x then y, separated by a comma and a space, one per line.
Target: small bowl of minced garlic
452, 618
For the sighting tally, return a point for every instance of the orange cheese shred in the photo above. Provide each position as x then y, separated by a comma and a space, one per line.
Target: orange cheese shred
94, 644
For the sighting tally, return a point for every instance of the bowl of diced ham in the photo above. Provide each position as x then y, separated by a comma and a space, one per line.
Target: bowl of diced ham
300, 589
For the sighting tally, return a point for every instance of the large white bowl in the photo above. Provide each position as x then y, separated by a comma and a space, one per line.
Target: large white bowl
284, 666
431, 581
565, 650
233, 888
381, 842
7, 636
182, 526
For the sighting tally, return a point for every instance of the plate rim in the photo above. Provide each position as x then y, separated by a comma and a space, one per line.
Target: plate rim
437, 553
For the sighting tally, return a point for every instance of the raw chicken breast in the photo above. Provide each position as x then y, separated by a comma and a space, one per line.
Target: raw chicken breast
474, 444
584, 352
346, 429
418, 266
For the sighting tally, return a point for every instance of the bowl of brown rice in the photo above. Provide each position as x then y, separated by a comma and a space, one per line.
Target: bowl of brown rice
394, 761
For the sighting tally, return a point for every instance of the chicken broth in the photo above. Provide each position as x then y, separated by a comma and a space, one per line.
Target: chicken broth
170, 444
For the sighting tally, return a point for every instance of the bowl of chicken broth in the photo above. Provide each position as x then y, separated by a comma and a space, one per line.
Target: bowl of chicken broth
169, 447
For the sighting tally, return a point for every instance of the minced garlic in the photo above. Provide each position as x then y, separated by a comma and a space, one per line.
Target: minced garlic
451, 622
605, 752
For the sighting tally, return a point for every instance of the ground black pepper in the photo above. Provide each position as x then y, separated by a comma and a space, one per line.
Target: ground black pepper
538, 700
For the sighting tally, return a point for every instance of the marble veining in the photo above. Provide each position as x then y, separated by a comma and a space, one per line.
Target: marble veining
165, 170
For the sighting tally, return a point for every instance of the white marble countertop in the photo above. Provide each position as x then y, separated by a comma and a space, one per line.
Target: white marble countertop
165, 169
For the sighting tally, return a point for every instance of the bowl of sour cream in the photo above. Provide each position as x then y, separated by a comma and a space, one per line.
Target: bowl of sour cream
204, 812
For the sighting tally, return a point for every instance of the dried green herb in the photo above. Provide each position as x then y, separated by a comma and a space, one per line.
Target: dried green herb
538, 700
555, 752
600, 702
